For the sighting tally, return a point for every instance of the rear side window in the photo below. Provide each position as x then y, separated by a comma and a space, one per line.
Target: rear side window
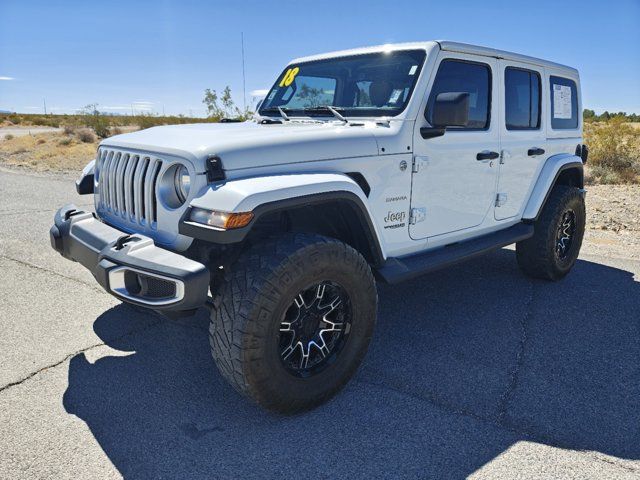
564, 103
522, 99
462, 76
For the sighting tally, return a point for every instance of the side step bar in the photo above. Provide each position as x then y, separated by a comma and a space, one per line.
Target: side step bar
397, 270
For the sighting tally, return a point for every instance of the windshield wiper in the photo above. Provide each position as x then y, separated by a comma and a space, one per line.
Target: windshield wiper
282, 111
328, 108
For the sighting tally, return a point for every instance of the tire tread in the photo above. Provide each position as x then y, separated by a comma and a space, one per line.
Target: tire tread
244, 290
535, 255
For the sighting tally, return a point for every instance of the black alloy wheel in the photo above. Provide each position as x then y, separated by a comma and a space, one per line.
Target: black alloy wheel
315, 328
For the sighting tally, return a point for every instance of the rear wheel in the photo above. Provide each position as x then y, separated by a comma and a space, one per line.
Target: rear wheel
293, 320
553, 250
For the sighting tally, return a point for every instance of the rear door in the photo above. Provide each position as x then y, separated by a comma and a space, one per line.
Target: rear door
454, 176
522, 136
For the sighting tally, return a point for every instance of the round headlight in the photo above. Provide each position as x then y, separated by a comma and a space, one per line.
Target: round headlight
182, 182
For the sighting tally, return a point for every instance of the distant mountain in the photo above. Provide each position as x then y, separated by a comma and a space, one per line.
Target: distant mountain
5, 112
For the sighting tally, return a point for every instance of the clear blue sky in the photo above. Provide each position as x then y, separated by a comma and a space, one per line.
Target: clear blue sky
165, 53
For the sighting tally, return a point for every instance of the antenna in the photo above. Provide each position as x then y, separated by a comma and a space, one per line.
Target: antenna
244, 83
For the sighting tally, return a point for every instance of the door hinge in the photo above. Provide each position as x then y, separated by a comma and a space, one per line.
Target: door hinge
501, 199
417, 215
419, 163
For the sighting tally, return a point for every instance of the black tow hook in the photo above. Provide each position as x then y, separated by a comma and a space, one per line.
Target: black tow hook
70, 213
122, 241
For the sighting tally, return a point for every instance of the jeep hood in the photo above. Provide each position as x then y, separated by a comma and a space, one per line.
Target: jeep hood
249, 144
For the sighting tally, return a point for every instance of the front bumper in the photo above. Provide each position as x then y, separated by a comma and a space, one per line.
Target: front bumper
130, 267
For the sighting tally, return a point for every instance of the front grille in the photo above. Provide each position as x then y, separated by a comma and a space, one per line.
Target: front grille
127, 185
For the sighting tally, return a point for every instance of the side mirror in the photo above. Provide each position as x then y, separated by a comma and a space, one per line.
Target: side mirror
451, 109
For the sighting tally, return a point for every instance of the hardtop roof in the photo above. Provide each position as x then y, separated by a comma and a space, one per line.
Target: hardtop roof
445, 45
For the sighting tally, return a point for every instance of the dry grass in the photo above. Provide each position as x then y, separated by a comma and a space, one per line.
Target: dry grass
47, 152
106, 121
86, 135
614, 152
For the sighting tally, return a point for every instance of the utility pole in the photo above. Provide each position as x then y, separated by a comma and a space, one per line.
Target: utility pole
44, 101
163, 109
244, 84
132, 109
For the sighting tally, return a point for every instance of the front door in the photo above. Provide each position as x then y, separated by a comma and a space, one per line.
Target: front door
454, 179
522, 136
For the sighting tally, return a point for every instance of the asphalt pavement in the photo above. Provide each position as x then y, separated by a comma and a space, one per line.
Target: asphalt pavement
475, 371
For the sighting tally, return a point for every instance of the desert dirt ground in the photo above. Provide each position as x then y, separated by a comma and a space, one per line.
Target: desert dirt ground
22, 131
46, 149
613, 220
475, 371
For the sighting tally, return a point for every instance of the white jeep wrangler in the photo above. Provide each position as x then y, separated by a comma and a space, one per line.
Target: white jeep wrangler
379, 163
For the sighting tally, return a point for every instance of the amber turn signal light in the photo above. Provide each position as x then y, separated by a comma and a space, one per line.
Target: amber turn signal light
222, 220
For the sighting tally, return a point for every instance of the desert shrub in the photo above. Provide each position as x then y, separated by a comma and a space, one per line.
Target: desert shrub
614, 151
148, 121
41, 141
85, 135
101, 127
65, 141
12, 118
95, 120
46, 121
116, 131
69, 129
8, 136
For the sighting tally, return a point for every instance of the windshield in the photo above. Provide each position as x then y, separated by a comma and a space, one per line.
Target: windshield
375, 84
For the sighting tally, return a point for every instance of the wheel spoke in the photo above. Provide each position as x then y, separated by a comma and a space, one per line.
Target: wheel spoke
334, 327
304, 359
323, 349
335, 303
299, 301
290, 349
286, 327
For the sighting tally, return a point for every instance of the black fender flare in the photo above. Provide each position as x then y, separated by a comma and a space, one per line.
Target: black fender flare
218, 236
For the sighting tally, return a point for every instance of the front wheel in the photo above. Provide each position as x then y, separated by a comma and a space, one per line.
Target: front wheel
553, 250
293, 320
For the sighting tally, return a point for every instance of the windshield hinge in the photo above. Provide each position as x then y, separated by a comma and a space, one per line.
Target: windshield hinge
417, 215
419, 163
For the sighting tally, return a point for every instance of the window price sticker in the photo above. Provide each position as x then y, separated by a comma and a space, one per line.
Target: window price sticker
561, 101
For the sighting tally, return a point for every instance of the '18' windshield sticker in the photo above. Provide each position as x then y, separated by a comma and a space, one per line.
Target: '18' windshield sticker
289, 77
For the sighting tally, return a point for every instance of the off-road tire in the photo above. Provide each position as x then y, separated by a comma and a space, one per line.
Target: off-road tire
537, 256
252, 300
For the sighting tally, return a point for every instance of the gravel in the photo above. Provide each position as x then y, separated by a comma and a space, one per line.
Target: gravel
613, 220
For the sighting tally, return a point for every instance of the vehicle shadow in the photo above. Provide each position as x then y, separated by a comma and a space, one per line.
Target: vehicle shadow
465, 363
